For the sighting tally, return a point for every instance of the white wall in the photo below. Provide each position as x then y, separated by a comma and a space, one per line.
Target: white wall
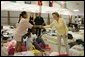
4, 21
66, 18
13, 17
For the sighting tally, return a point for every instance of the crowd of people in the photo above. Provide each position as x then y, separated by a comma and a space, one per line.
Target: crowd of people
28, 34
35, 26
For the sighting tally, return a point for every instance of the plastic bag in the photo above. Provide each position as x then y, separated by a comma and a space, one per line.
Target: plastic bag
36, 52
11, 50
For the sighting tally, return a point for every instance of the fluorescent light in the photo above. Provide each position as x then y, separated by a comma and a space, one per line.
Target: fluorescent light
75, 10
63, 2
64, 9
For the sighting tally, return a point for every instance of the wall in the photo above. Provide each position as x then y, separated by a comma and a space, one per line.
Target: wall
4, 19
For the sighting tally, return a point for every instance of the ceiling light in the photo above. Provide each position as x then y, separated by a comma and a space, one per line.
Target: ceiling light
63, 2
75, 10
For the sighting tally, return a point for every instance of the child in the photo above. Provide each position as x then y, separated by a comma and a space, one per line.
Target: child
29, 41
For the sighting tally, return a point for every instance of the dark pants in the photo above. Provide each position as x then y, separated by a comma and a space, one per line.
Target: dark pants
76, 26
38, 31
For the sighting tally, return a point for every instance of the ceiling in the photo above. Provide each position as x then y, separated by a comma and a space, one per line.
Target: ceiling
71, 5
74, 5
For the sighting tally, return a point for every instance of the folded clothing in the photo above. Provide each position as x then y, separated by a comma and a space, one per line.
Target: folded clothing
78, 47
36, 52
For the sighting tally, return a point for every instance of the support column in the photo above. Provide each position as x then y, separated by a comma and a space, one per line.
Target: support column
8, 18
48, 19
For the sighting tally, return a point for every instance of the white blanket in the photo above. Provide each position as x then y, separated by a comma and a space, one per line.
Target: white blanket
76, 50
25, 53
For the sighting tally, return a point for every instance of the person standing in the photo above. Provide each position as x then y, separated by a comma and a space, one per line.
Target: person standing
21, 30
38, 22
61, 29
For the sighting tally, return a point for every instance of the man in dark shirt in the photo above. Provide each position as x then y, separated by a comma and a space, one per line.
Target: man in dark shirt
38, 21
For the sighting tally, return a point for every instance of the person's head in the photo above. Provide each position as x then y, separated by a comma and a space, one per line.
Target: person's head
55, 15
38, 14
75, 16
24, 14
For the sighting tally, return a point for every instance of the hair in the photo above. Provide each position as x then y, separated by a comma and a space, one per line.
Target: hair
19, 18
56, 13
23, 13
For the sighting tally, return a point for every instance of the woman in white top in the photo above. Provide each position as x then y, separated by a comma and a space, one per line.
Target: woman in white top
21, 29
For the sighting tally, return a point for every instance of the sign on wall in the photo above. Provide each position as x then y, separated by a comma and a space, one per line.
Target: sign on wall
27, 2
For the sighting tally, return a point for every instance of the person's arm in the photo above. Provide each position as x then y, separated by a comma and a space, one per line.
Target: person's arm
35, 20
49, 26
30, 25
26, 24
